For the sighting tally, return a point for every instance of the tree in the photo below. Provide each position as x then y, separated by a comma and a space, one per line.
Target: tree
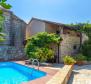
38, 46
86, 46
6, 6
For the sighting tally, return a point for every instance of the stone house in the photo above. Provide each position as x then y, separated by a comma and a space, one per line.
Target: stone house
71, 38
14, 28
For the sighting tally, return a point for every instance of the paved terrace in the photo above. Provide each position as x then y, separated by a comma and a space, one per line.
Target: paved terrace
51, 71
81, 75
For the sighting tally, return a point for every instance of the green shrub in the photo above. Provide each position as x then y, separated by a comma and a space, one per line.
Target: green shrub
86, 49
43, 54
68, 60
80, 57
38, 46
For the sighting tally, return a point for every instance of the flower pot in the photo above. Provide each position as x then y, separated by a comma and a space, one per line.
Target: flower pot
69, 64
80, 63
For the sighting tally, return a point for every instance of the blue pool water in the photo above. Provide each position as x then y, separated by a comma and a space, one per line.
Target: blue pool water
13, 73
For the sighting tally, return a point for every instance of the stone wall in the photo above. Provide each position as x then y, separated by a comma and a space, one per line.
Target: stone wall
14, 28
70, 45
7, 27
19, 28
62, 76
71, 38
11, 53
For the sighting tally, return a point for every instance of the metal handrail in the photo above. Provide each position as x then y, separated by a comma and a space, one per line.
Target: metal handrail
35, 60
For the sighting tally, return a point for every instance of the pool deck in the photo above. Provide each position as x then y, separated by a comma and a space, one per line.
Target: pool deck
51, 71
81, 75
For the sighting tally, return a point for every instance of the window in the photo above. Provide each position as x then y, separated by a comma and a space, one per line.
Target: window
78, 35
75, 47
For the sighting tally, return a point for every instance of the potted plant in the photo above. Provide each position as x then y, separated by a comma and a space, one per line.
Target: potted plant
80, 59
68, 60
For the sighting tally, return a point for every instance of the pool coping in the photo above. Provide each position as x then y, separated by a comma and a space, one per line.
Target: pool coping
62, 76
43, 80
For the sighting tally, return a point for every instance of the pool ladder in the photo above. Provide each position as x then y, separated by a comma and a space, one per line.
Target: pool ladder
35, 61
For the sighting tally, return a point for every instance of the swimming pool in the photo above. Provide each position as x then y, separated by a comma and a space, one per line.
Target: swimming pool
13, 73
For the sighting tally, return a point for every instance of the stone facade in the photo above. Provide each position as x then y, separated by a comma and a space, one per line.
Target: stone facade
70, 44
14, 28
71, 38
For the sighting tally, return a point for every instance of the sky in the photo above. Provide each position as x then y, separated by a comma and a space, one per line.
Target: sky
63, 11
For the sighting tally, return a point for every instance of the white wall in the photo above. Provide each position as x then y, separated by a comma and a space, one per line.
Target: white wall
35, 27
84, 37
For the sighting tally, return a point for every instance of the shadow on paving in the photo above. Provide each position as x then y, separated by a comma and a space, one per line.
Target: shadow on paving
72, 77
85, 67
78, 70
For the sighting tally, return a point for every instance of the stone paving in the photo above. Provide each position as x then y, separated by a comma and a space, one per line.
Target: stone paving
81, 75
50, 70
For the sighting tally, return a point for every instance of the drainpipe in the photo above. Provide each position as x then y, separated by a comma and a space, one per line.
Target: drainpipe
58, 52
80, 40
58, 46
